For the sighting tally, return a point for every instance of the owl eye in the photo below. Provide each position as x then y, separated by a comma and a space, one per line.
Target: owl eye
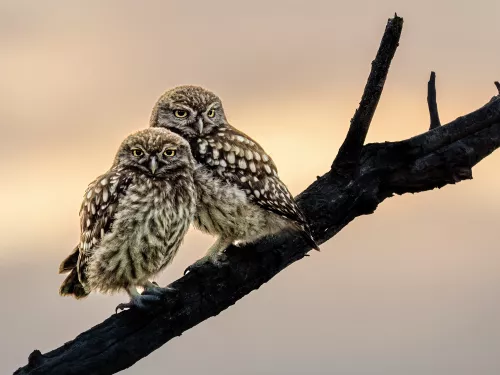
180, 113
169, 153
211, 113
137, 152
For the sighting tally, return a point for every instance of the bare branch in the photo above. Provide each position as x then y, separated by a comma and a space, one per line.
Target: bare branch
432, 102
347, 158
430, 160
460, 128
497, 84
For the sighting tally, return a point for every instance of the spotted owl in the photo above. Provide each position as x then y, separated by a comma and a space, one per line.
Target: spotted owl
133, 218
240, 196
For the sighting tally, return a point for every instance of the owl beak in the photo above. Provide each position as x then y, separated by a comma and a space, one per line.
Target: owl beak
200, 125
153, 165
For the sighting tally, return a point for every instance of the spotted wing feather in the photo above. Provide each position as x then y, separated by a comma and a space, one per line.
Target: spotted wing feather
97, 213
238, 159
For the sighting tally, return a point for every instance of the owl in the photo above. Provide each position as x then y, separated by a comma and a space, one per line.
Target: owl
240, 196
133, 219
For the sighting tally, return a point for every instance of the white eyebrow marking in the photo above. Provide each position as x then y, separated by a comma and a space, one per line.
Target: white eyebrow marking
168, 147
139, 147
211, 106
182, 106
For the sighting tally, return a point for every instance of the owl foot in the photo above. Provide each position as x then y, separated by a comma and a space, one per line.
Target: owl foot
152, 289
218, 260
141, 302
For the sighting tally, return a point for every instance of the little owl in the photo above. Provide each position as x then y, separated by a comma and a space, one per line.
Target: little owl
240, 196
133, 219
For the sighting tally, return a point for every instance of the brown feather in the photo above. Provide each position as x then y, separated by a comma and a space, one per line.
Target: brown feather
71, 286
70, 262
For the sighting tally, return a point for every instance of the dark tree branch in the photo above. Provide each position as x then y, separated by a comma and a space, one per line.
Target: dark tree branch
430, 160
497, 84
432, 102
347, 158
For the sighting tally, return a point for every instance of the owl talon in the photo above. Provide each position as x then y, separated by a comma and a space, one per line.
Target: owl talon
152, 289
141, 302
217, 260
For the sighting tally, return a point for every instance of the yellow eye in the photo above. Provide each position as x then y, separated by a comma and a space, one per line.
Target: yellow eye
169, 153
137, 152
211, 113
180, 113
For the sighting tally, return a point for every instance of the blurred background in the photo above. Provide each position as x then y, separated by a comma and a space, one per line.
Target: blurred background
411, 289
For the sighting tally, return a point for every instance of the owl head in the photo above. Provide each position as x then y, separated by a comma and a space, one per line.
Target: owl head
155, 152
190, 111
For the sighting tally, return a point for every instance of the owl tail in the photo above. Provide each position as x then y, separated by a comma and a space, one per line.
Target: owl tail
72, 286
70, 262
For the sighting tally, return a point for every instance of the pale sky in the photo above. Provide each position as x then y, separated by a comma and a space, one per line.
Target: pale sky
412, 289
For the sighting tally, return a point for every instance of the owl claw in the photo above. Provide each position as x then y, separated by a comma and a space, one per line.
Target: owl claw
141, 302
217, 260
153, 289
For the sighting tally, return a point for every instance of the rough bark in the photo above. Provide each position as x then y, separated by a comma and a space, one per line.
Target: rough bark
360, 179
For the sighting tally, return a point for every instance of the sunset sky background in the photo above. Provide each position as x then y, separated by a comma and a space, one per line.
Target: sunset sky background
412, 289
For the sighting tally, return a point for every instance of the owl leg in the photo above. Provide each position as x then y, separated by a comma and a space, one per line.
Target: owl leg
153, 289
137, 300
215, 255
